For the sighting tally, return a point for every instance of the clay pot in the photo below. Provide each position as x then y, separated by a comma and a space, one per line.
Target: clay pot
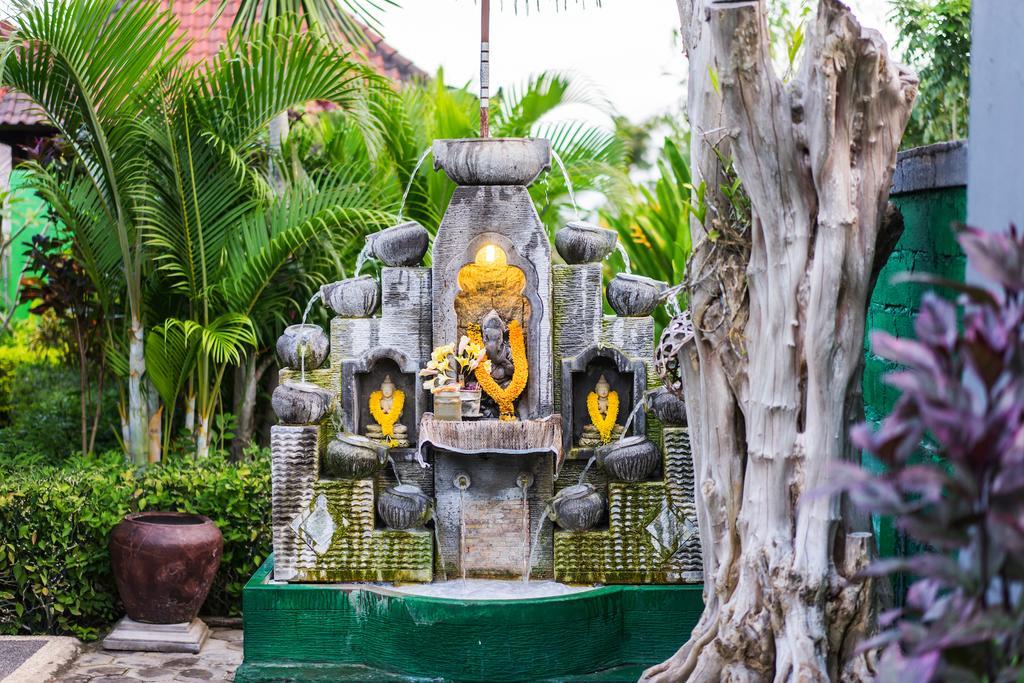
301, 403
356, 297
350, 456
633, 458
303, 340
668, 408
405, 507
580, 242
577, 508
402, 245
634, 296
164, 564
493, 161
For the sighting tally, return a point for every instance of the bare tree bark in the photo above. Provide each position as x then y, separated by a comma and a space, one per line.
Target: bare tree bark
778, 300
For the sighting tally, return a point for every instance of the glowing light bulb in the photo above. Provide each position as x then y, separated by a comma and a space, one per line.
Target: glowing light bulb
491, 255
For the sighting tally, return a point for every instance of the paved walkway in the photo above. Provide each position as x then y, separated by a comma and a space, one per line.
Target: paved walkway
221, 655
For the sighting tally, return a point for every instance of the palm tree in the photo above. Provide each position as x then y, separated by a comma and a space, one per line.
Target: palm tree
167, 162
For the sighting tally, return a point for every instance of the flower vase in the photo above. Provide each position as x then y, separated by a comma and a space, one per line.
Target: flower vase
470, 403
448, 406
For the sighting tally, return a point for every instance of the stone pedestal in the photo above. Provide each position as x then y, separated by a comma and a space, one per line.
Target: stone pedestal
139, 637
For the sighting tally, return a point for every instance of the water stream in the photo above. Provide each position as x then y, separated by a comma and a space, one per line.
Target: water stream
408, 188
568, 183
364, 256
526, 529
394, 470
639, 405
462, 535
583, 474
533, 546
625, 257
440, 548
303, 343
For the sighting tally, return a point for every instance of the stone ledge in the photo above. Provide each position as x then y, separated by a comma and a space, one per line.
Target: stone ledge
932, 167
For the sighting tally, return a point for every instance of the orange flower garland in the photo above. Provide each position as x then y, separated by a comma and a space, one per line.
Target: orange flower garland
605, 425
387, 420
505, 398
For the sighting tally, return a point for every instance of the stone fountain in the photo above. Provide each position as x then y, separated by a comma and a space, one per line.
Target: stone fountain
382, 492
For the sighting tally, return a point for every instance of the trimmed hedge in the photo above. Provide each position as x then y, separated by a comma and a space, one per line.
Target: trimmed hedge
55, 522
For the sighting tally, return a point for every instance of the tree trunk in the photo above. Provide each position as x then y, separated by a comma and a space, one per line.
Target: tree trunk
278, 131
778, 301
202, 435
247, 381
138, 427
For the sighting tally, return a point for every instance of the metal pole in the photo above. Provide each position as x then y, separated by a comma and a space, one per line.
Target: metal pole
485, 67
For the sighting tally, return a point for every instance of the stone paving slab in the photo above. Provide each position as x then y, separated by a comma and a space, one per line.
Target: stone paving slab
34, 658
217, 661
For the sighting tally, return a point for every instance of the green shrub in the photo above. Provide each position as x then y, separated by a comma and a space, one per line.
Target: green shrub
55, 523
11, 359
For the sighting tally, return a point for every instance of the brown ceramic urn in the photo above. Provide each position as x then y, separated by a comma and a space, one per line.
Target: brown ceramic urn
164, 564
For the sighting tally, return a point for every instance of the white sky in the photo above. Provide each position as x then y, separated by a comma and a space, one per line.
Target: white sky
625, 48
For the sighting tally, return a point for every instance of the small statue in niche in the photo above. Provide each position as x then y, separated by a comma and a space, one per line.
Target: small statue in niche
505, 377
603, 407
386, 407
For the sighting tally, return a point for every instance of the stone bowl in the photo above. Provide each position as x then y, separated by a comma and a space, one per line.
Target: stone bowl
356, 297
634, 296
350, 456
631, 459
668, 408
402, 245
577, 508
493, 161
301, 403
303, 340
580, 242
405, 507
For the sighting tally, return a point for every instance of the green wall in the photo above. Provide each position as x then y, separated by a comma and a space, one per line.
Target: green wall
27, 217
930, 192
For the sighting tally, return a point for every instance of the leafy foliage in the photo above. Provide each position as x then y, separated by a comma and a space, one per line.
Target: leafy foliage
936, 38
55, 524
963, 497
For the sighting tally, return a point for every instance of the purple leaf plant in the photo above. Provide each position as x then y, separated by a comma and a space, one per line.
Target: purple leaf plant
953, 450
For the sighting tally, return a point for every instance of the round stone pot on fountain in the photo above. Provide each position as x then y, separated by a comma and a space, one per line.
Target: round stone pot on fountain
303, 340
356, 297
301, 403
580, 242
164, 564
350, 456
405, 507
634, 296
403, 245
668, 408
577, 508
492, 161
631, 459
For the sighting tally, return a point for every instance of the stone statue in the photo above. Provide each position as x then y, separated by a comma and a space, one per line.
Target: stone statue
386, 407
603, 408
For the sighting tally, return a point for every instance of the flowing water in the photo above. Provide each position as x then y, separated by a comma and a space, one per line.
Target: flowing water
440, 547
364, 256
526, 530
625, 257
568, 183
583, 474
462, 536
639, 404
536, 541
303, 344
408, 188
394, 470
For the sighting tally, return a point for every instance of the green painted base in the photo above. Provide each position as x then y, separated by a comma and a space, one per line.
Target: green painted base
304, 632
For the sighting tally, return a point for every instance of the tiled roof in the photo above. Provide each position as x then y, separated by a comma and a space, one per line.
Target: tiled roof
196, 21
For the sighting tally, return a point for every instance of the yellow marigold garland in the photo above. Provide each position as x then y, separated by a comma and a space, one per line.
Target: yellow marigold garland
505, 398
387, 420
605, 425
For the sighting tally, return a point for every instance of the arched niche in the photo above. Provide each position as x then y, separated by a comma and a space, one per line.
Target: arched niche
580, 375
530, 315
363, 376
